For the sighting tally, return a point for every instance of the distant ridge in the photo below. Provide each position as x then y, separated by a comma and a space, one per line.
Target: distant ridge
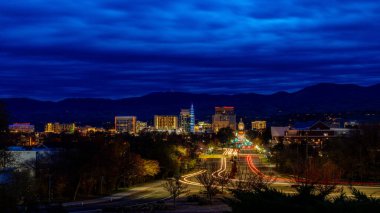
324, 97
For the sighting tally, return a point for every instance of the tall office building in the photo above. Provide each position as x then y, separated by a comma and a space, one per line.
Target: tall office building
185, 120
125, 124
224, 117
192, 119
165, 122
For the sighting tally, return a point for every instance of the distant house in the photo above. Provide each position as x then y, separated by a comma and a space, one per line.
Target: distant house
278, 133
316, 133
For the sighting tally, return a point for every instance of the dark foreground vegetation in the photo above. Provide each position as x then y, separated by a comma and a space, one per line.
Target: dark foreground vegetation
257, 195
81, 167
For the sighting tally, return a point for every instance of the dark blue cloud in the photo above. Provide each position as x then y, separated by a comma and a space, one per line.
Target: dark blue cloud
103, 48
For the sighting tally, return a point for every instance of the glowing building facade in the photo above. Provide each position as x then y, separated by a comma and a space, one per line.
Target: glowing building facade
240, 140
60, 128
224, 117
165, 122
192, 119
259, 125
203, 127
140, 126
21, 128
185, 120
87, 130
125, 124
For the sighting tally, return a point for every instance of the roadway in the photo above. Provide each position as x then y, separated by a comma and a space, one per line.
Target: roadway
284, 184
251, 163
142, 194
138, 195
153, 191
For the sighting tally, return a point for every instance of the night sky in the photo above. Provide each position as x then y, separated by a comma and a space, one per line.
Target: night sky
103, 48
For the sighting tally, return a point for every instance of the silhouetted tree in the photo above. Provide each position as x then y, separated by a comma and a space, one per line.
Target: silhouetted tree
255, 193
209, 183
223, 180
175, 188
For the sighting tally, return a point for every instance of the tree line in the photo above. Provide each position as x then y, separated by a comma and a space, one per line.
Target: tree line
99, 164
353, 158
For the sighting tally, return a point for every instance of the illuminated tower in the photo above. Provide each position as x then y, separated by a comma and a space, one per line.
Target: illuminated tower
192, 119
184, 120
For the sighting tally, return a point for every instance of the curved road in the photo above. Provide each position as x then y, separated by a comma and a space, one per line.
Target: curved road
153, 192
281, 183
146, 193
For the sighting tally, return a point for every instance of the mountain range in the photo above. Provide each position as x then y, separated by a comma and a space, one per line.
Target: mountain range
320, 98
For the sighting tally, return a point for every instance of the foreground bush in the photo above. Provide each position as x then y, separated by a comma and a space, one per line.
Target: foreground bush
271, 200
254, 193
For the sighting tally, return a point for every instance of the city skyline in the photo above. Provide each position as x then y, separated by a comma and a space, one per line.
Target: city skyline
116, 49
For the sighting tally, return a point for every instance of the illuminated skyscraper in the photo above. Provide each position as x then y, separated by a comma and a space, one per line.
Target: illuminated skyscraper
224, 117
125, 124
192, 119
165, 122
185, 120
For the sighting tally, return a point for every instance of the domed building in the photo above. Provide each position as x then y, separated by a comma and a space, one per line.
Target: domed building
241, 131
240, 140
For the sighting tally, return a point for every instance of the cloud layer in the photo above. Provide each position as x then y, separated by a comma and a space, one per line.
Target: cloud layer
118, 48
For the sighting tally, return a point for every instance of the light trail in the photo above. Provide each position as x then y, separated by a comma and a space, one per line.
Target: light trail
224, 165
222, 168
253, 167
189, 182
225, 152
256, 171
186, 179
216, 174
229, 151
